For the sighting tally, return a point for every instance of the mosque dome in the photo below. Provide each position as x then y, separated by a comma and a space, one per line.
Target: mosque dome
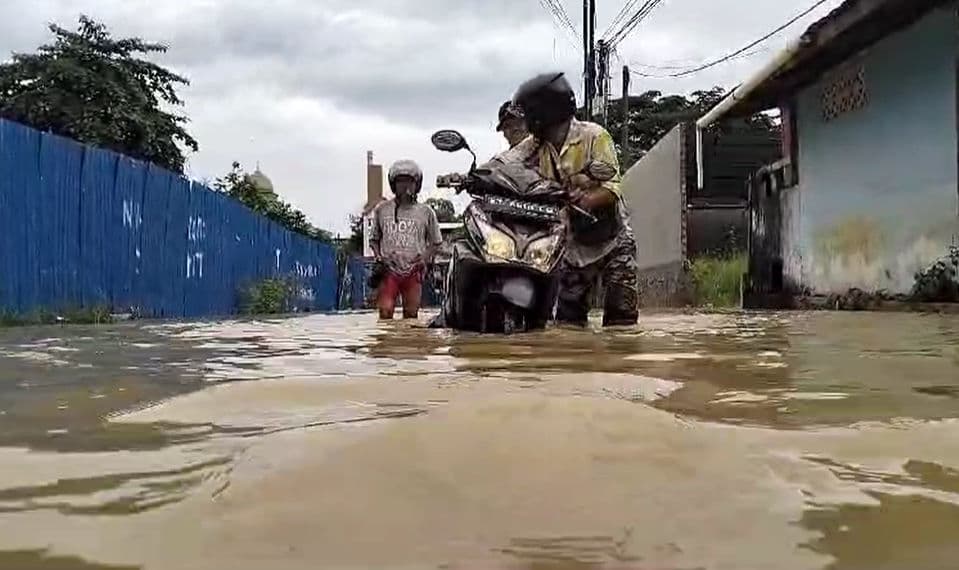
261, 182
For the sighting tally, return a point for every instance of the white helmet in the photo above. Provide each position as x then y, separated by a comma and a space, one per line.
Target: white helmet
406, 168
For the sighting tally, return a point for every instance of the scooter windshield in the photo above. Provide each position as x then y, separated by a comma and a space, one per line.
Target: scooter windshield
513, 178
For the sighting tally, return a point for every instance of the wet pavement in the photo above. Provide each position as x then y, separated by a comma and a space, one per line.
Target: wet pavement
739, 441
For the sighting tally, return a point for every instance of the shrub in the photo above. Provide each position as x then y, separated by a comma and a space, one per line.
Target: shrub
717, 280
268, 297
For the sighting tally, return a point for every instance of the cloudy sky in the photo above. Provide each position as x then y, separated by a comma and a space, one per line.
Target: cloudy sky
306, 87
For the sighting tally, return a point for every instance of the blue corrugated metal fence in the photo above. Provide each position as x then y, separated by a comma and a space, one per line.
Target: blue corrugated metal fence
83, 227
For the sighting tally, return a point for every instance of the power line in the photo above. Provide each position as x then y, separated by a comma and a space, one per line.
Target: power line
633, 22
614, 34
561, 11
558, 22
551, 8
619, 17
678, 63
560, 27
621, 21
673, 68
744, 49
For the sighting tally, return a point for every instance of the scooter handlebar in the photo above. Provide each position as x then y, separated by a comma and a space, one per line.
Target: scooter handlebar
459, 182
454, 180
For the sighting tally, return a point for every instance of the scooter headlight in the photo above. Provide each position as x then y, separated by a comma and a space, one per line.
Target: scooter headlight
496, 243
540, 253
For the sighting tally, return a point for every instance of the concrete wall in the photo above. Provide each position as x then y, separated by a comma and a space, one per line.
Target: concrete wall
653, 188
877, 198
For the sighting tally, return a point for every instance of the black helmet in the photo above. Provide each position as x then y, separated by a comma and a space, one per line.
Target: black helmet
508, 111
547, 99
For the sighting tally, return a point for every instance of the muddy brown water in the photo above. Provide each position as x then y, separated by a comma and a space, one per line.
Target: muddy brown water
741, 441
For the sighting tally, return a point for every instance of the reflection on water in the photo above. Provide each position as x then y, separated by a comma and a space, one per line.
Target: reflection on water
572, 551
896, 532
43, 560
340, 441
133, 492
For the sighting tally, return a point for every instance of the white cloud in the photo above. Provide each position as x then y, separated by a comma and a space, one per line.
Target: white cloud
306, 87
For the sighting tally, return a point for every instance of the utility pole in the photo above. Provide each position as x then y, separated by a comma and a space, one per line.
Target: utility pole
602, 74
589, 69
624, 144
592, 49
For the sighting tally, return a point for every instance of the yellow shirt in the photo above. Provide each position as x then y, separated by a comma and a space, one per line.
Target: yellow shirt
585, 143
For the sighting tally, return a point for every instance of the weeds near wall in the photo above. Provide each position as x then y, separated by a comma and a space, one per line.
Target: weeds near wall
939, 283
717, 281
99, 315
268, 297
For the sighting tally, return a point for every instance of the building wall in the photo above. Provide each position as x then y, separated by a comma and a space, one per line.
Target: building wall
877, 197
653, 188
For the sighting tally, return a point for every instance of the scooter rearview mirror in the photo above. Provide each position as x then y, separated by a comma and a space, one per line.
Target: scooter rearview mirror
449, 140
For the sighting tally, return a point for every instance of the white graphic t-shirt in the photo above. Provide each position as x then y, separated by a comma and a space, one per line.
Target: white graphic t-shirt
404, 233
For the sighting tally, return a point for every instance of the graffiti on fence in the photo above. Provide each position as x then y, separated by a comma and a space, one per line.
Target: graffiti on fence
81, 226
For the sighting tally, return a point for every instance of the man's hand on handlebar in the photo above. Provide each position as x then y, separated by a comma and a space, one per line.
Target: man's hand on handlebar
454, 180
580, 188
583, 182
586, 194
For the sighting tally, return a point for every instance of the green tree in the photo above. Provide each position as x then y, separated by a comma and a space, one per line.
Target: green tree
443, 208
354, 244
239, 185
93, 88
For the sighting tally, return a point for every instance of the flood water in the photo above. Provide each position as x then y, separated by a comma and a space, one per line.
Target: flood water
741, 441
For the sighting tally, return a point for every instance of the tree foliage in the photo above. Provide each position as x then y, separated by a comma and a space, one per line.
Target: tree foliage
354, 244
239, 185
443, 208
653, 114
93, 88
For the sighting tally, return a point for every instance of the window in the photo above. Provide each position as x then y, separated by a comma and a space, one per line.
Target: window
844, 91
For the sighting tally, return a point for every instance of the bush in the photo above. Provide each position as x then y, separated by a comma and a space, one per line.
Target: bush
940, 282
98, 315
268, 297
717, 280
